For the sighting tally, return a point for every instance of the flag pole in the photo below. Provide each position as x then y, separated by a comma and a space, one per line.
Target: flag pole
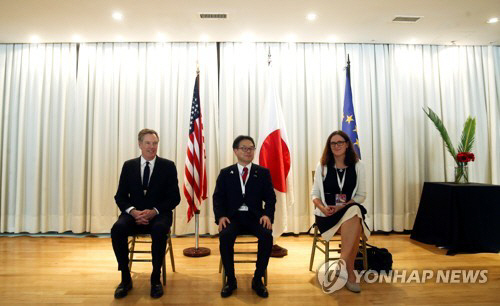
196, 228
196, 251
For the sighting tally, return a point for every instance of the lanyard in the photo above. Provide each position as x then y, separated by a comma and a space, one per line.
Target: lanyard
341, 183
243, 183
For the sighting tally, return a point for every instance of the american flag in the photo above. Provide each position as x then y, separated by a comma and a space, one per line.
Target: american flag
195, 174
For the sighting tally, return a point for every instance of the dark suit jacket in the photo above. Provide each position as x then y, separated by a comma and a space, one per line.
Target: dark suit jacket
163, 190
228, 198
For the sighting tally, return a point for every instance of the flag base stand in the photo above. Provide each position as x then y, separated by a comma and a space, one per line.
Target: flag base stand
196, 251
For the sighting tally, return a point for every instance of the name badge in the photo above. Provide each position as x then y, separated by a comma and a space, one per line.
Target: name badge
243, 207
340, 198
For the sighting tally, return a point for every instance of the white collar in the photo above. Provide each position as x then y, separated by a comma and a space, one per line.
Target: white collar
240, 167
151, 162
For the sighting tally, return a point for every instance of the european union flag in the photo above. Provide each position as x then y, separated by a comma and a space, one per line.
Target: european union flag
349, 125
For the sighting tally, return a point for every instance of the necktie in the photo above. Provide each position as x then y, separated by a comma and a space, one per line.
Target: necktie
145, 177
245, 174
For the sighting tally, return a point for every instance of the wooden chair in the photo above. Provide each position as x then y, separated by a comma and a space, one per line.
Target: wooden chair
325, 247
221, 266
146, 239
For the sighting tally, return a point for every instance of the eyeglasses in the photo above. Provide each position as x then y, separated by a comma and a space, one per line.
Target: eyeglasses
247, 149
338, 143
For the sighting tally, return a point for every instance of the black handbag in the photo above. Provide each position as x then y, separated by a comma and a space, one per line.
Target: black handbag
379, 259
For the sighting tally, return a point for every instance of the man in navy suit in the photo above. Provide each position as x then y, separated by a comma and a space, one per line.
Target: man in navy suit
237, 200
147, 193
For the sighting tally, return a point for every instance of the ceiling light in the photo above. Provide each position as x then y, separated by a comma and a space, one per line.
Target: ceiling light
76, 38
119, 38
291, 38
492, 20
161, 37
117, 16
311, 16
204, 38
35, 39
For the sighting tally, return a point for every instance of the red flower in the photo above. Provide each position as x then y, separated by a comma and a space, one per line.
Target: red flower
463, 157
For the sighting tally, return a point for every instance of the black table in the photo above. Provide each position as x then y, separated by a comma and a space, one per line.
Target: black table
459, 217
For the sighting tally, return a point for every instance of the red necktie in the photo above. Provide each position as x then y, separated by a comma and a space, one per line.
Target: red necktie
245, 174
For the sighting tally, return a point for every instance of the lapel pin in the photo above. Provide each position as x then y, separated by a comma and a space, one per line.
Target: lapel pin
232, 172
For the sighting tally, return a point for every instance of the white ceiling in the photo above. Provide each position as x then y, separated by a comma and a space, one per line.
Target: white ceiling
462, 22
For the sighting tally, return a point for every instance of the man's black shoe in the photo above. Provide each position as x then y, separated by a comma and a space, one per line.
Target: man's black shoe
228, 289
156, 291
259, 287
122, 290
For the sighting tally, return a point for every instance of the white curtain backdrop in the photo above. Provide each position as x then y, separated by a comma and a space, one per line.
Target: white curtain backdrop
37, 90
70, 114
66, 134
391, 84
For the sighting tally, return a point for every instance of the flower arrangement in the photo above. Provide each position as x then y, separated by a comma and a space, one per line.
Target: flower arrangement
464, 155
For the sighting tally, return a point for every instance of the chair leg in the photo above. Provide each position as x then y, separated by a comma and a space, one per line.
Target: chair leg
220, 265
131, 254
164, 271
313, 251
327, 251
171, 251
365, 256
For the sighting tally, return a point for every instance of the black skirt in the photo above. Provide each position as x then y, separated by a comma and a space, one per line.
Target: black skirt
326, 223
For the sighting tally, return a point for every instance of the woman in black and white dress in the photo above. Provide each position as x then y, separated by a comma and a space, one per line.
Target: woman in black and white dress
338, 191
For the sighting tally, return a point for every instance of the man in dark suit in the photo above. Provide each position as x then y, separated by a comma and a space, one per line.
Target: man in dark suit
147, 193
238, 196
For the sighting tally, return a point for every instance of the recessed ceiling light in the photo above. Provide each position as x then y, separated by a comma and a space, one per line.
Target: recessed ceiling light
76, 38
291, 38
311, 16
117, 16
119, 38
204, 38
161, 37
492, 20
35, 39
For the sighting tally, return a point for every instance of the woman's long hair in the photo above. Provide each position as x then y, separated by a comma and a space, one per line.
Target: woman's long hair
351, 158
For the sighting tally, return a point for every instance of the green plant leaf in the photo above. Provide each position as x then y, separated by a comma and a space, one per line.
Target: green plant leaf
468, 135
442, 130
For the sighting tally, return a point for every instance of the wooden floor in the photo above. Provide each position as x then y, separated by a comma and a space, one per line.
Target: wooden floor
40, 270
